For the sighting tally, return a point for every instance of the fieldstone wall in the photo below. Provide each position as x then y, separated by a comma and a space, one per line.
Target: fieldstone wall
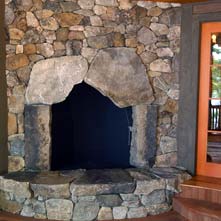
90, 195
38, 30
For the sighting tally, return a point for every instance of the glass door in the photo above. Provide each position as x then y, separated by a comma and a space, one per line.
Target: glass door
209, 115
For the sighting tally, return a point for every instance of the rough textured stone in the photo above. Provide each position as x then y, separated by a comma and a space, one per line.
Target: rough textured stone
137, 212
14, 187
15, 163
147, 186
69, 6
156, 197
107, 2
60, 79
16, 143
168, 144
85, 4
12, 124
159, 29
85, 211
143, 145
15, 62
97, 182
32, 21
129, 88
120, 212
9, 15
160, 65
98, 42
16, 103
51, 191
164, 52
146, 36
49, 24
59, 209
45, 49
109, 200
105, 213
7, 205
37, 134
147, 57
68, 19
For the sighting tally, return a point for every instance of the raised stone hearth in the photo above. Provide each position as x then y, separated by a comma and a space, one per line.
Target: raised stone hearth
90, 195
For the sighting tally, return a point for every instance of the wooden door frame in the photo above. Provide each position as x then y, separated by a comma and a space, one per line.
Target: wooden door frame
192, 17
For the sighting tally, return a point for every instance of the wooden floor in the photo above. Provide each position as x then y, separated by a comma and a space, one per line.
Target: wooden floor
171, 216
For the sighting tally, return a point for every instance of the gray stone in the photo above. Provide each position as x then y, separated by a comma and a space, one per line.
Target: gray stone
37, 137
99, 42
69, 6
9, 15
147, 186
49, 24
143, 146
147, 57
16, 147
130, 200
159, 29
146, 36
85, 211
97, 182
168, 144
137, 212
15, 187
120, 212
107, 2
164, 52
105, 213
109, 200
51, 191
171, 17
85, 4
39, 207
52, 5
87, 198
51, 81
28, 211
59, 209
45, 49
160, 65
73, 47
31, 36
158, 209
119, 74
156, 197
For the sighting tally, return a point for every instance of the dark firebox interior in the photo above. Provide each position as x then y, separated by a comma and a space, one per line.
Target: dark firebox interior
89, 131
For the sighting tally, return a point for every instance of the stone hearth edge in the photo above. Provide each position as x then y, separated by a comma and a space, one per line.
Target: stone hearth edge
90, 195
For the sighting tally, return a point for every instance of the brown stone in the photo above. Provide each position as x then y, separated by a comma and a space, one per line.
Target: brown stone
32, 21
29, 49
68, 19
45, 49
49, 24
12, 124
99, 42
16, 61
15, 163
45, 13
118, 40
62, 34
154, 12
76, 35
16, 34
131, 42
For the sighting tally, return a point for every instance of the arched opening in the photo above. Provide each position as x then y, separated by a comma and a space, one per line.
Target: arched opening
90, 132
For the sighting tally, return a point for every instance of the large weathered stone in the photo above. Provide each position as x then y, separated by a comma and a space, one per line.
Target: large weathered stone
85, 211
120, 212
52, 80
168, 144
143, 145
160, 65
59, 209
119, 74
105, 213
37, 137
97, 182
137, 212
15, 163
109, 200
14, 187
16, 147
156, 197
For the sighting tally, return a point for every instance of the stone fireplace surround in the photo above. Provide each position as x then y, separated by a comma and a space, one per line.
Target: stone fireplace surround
94, 194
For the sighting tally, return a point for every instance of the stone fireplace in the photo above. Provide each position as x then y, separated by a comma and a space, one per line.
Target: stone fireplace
116, 73
107, 69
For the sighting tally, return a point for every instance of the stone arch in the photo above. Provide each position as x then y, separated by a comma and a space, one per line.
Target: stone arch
117, 73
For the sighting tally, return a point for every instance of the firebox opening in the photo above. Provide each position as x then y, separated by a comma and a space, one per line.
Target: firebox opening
89, 131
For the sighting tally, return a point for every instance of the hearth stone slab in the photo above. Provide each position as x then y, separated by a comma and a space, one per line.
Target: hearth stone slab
126, 193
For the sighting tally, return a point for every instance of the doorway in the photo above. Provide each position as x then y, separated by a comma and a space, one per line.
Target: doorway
209, 106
